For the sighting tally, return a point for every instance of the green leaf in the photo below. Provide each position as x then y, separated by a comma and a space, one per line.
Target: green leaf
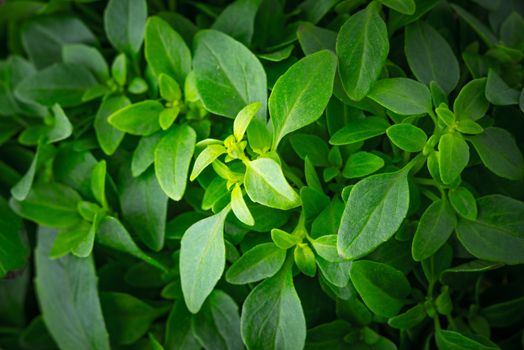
326, 247
144, 206
140, 118
499, 153
61, 83
61, 128
144, 154
361, 164
226, 90
301, 94
23, 186
430, 57
173, 156
276, 302
239, 207
375, 209
265, 184
88, 57
453, 156
202, 259
312, 38
407, 137
261, 262
359, 130
44, 37
498, 92
362, 49
124, 23
119, 69
464, 203
336, 273
217, 325
410, 318
482, 30
178, 329
406, 7
165, 50
238, 20
68, 297
402, 96
109, 137
498, 233
205, 158
14, 252
468, 126
382, 287
49, 204
169, 88
305, 259
284, 240
471, 102
452, 340
128, 318
113, 234
310, 146
433, 230
98, 183
243, 119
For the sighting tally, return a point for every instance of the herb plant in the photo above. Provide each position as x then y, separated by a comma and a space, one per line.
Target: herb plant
262, 174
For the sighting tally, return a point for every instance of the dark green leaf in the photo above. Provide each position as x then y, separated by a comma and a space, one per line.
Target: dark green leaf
362, 49
402, 96
68, 296
124, 23
375, 209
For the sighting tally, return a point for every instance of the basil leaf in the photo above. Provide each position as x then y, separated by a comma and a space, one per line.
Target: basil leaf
165, 50
463, 202
498, 92
113, 234
265, 184
68, 296
217, 325
453, 156
293, 106
362, 49
144, 154
238, 20
144, 206
88, 57
261, 262
202, 259
407, 137
361, 164
433, 230
108, 136
471, 102
61, 83
43, 37
312, 38
406, 7
128, 318
359, 130
172, 159
430, 57
374, 211
138, 119
402, 96
275, 301
239, 207
14, 252
451, 340
227, 90
178, 329
497, 234
382, 287
499, 153
51, 204
124, 23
